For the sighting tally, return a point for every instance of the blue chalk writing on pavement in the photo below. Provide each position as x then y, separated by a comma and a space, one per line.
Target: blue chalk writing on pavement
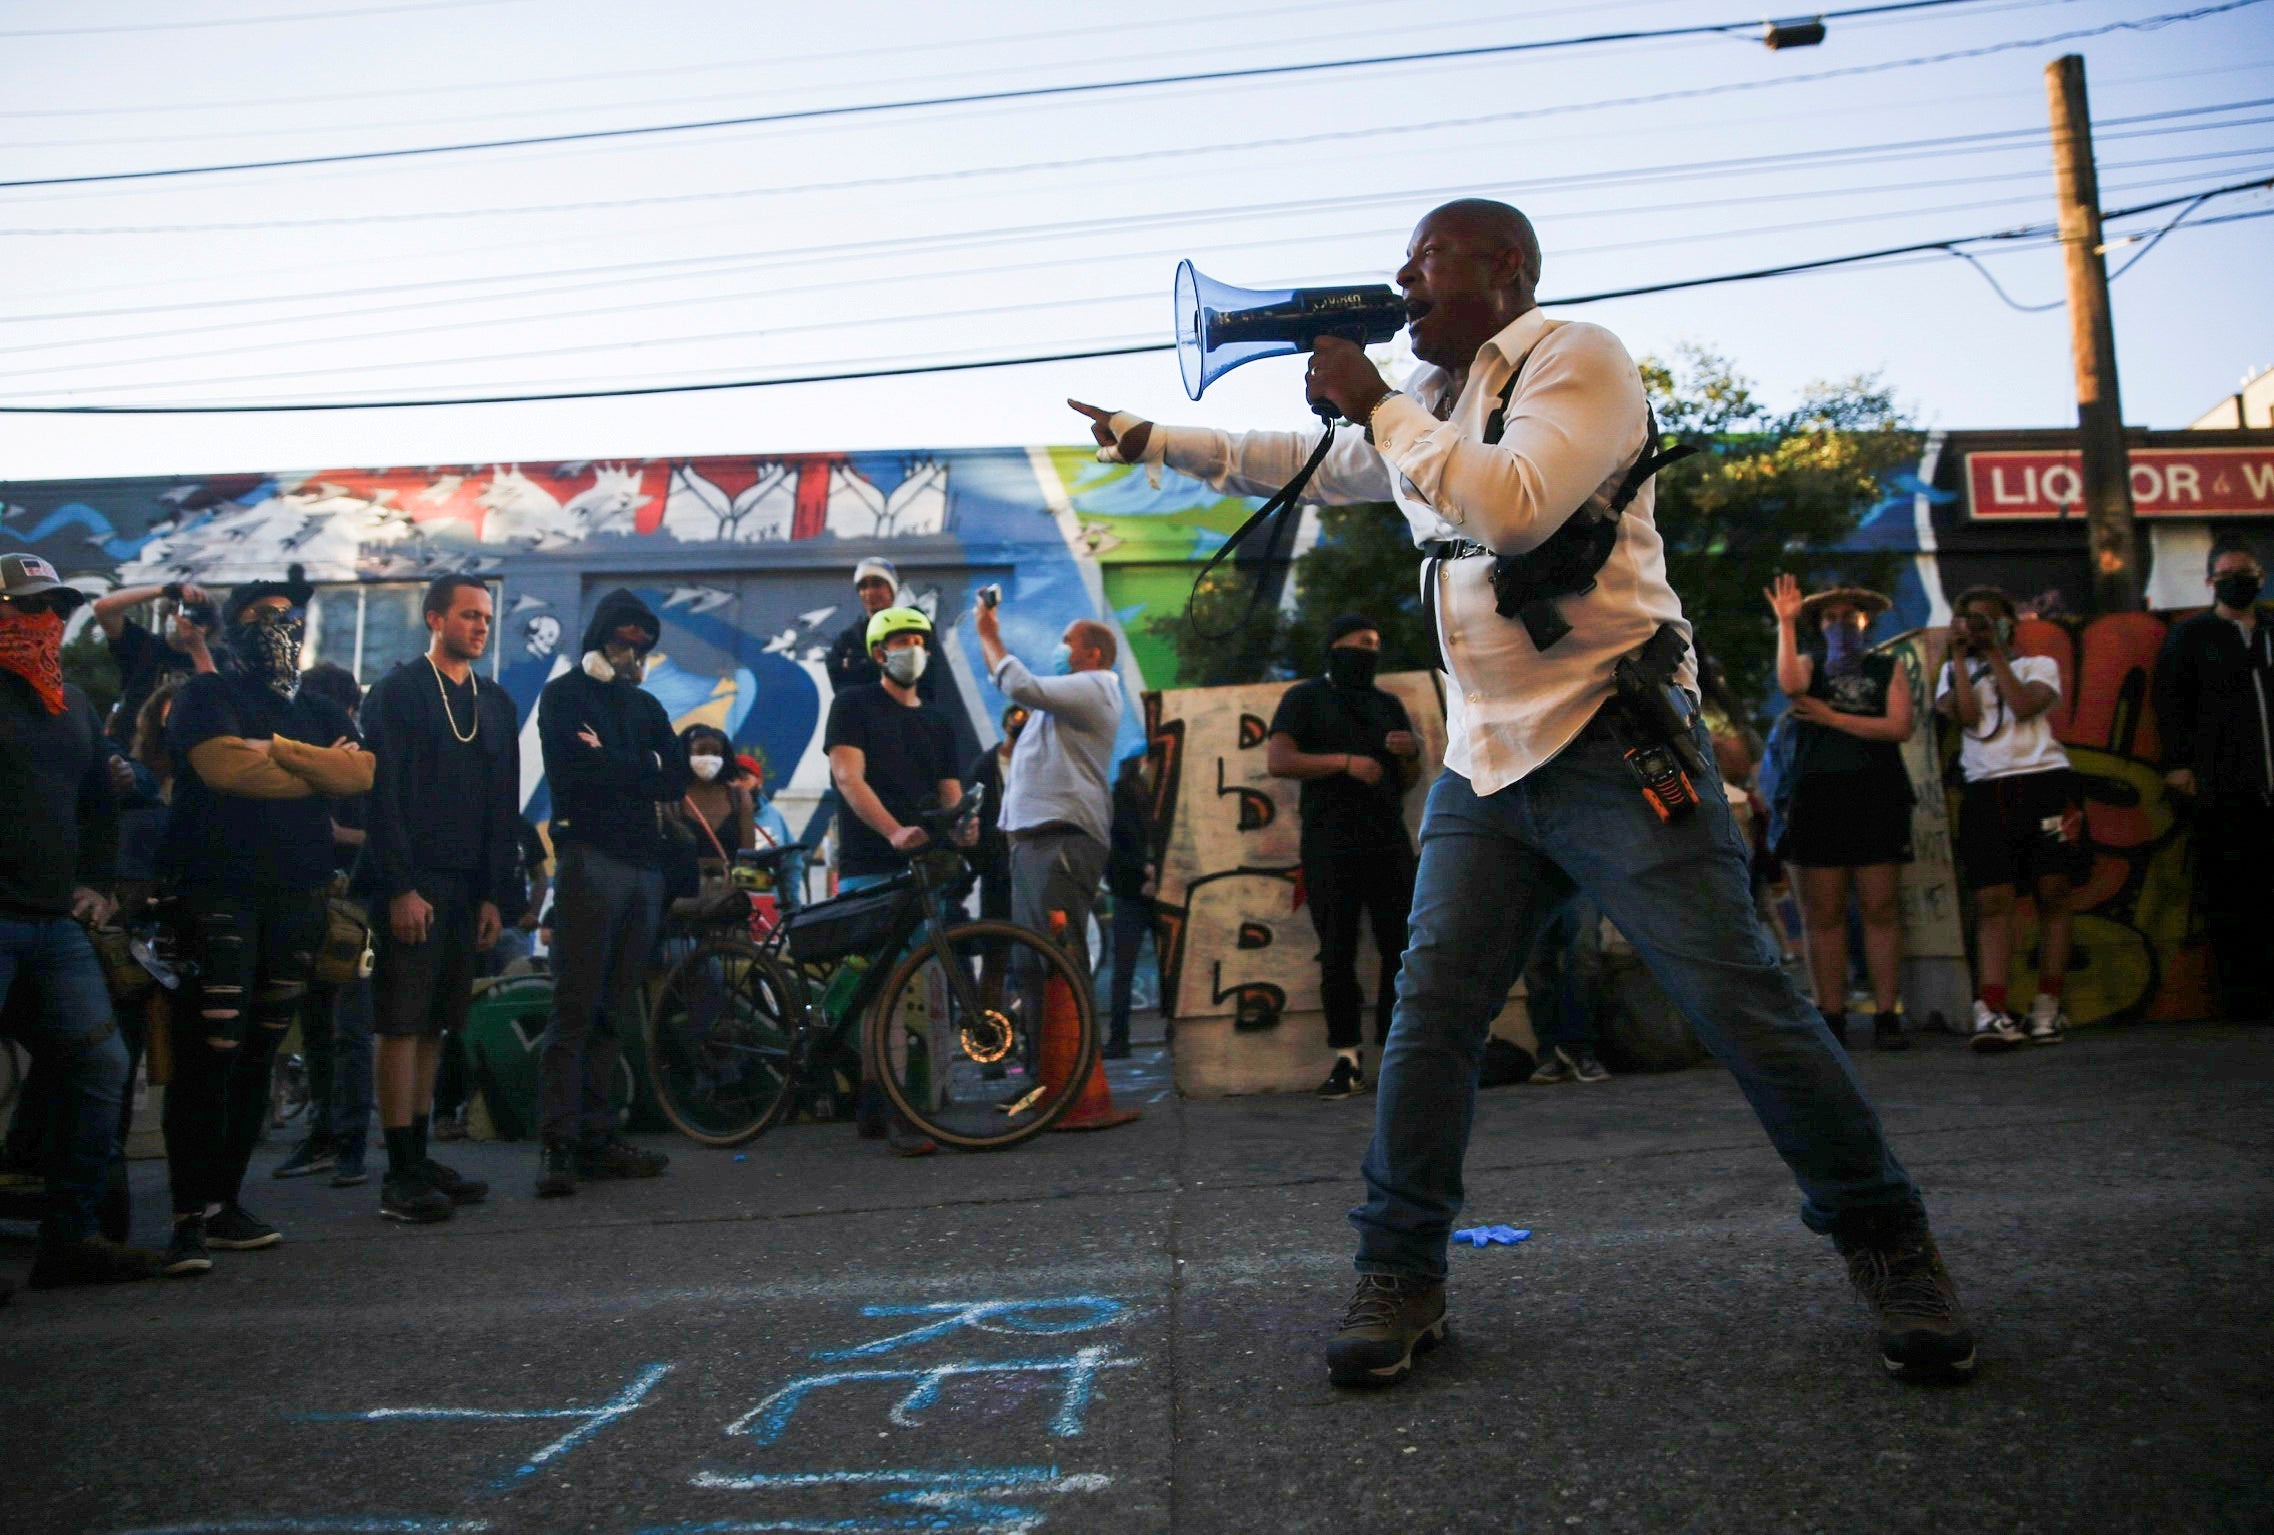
765, 1422
591, 1420
996, 1316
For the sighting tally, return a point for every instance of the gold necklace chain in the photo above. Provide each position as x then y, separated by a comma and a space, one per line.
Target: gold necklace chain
473, 682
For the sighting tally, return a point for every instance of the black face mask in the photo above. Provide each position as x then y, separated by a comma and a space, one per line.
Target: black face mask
2239, 589
269, 653
1350, 667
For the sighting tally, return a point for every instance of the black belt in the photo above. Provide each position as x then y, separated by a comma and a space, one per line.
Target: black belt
1434, 550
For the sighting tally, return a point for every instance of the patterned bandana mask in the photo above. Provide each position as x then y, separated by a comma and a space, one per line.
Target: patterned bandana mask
31, 646
269, 652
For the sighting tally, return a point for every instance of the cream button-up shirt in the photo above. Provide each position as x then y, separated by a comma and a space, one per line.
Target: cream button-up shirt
1574, 425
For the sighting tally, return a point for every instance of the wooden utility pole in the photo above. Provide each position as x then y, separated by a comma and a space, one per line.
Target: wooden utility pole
2092, 342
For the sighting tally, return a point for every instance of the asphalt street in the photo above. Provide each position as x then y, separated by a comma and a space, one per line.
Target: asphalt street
1121, 1331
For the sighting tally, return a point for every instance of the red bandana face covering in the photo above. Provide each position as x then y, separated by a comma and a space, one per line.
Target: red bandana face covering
31, 646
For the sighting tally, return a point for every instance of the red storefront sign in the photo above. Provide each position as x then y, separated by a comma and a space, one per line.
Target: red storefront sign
2166, 482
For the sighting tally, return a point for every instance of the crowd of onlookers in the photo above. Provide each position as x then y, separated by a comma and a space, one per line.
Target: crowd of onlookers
271, 844
264, 844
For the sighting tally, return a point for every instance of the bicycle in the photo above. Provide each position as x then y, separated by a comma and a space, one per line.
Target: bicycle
953, 1013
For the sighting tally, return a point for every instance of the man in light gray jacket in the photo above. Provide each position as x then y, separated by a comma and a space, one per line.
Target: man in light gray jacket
1058, 794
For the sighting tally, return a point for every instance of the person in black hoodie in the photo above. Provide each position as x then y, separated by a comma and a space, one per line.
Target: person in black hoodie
258, 765
2214, 702
612, 761
55, 870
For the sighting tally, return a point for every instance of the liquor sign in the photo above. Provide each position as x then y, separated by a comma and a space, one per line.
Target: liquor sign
2166, 482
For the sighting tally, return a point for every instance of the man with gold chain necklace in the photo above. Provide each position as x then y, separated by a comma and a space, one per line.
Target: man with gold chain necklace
438, 857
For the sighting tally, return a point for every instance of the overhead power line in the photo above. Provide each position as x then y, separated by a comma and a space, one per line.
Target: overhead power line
2149, 124
777, 291
772, 331
2032, 234
1025, 93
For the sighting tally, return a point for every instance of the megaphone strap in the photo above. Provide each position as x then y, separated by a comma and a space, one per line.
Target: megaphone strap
1281, 503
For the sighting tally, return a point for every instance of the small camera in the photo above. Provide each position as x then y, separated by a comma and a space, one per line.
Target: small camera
990, 595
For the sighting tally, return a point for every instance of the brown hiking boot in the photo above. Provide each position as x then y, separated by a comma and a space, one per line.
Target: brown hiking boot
1391, 1319
92, 1260
1897, 1269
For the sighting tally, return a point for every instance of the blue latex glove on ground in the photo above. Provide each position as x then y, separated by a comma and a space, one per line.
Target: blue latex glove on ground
1479, 1236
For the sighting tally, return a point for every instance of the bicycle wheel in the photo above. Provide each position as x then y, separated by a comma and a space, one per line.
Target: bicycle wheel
987, 1079
722, 1043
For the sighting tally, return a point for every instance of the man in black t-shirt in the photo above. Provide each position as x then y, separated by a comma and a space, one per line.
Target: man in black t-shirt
145, 659
889, 753
1355, 751
257, 764
439, 862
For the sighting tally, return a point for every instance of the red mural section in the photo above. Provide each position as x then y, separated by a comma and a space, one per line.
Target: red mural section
2140, 951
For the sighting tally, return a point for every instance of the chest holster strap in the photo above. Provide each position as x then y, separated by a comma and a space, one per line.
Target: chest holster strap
1527, 586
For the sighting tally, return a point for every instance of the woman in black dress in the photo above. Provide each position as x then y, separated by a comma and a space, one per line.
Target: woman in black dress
1850, 823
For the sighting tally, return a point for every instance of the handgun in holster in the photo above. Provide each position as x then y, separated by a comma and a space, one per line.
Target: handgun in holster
1659, 747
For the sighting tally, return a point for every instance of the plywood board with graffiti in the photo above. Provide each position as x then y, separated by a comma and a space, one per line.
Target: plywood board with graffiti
1239, 956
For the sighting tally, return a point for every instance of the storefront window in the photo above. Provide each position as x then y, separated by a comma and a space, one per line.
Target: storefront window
371, 628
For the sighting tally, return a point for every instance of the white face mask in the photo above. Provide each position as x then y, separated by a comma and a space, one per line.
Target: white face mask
906, 665
706, 768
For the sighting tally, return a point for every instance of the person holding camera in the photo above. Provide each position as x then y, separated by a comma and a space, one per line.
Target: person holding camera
2214, 702
55, 877
1560, 774
1850, 821
2020, 815
1058, 795
145, 660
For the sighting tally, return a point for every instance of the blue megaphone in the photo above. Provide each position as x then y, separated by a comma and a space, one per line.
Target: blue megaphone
1219, 327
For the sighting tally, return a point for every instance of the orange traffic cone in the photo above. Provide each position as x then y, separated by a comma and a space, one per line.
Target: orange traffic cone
1061, 1043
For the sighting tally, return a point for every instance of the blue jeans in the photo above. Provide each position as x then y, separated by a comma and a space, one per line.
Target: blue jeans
71, 1028
1492, 870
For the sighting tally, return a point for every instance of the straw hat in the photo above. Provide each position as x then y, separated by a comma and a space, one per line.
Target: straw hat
1862, 598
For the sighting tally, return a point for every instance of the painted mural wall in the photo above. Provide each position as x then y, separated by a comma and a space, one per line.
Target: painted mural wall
748, 560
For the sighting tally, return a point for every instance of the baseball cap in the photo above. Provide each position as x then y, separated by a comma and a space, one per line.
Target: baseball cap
27, 575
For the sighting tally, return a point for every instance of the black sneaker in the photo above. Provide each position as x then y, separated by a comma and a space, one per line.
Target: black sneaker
350, 1169
1389, 1321
616, 1157
413, 1200
1887, 1032
92, 1260
185, 1249
1898, 1271
1584, 1066
1553, 1071
556, 1170
455, 1186
316, 1154
237, 1229
1347, 1080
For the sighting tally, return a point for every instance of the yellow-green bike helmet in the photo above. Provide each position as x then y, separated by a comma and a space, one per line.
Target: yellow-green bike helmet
893, 621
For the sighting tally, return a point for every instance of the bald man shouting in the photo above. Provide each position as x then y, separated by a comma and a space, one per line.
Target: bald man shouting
1519, 453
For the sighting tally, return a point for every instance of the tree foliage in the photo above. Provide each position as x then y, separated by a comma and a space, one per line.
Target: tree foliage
1769, 491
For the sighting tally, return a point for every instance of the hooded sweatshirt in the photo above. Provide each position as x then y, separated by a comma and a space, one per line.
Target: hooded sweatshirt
605, 797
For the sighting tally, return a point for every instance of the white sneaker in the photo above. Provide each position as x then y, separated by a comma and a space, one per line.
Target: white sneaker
2047, 1025
1993, 1032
